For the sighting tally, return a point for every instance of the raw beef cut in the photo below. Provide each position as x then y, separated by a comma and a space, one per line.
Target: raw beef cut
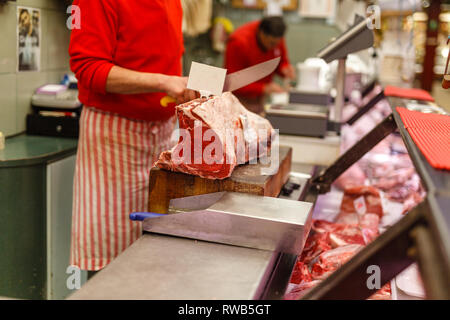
339, 234
217, 134
385, 171
383, 294
295, 292
331, 260
361, 200
301, 273
314, 246
331, 244
387, 166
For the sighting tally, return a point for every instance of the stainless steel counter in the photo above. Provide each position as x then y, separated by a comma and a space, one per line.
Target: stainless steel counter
165, 267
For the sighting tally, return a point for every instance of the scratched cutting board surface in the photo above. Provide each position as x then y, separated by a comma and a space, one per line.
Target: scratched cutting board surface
166, 185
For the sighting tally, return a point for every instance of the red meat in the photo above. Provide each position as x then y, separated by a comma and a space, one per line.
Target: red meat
345, 235
222, 134
413, 200
331, 260
383, 294
371, 196
339, 234
297, 291
301, 273
314, 246
331, 244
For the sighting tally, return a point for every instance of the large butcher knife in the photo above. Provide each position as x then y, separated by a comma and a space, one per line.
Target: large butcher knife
205, 78
210, 80
244, 77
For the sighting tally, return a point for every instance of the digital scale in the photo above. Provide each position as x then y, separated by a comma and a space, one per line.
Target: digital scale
299, 119
321, 98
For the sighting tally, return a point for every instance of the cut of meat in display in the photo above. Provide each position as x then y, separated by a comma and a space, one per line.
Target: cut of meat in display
385, 171
371, 201
217, 134
387, 166
331, 260
331, 244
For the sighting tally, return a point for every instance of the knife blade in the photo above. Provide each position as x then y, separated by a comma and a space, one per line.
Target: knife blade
244, 77
233, 81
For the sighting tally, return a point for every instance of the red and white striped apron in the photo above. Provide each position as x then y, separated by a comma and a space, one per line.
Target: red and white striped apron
114, 158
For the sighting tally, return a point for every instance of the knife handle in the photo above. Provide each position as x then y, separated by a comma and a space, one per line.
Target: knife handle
141, 216
168, 101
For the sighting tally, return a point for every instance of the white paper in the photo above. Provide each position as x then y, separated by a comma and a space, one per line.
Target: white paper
206, 79
360, 205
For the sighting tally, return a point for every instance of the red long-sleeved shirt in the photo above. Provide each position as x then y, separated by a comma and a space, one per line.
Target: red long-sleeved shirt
243, 51
140, 35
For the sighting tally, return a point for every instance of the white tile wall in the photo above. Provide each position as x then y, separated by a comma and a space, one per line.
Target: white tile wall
16, 88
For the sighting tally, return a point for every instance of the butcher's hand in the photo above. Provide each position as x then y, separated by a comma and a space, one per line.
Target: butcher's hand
288, 72
273, 87
176, 88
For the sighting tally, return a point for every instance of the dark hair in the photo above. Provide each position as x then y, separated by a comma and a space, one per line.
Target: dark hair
273, 26
22, 11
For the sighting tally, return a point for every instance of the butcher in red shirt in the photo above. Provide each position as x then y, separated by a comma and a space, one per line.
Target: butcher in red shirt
127, 59
253, 43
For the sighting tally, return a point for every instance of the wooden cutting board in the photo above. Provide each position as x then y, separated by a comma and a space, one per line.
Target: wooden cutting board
166, 185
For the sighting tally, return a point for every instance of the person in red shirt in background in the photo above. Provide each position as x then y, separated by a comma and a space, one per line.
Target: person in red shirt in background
127, 59
253, 43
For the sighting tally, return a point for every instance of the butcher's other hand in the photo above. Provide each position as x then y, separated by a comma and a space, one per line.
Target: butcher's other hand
288, 72
176, 88
273, 87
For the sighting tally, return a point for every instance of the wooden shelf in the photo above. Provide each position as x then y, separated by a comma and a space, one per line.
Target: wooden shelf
261, 4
